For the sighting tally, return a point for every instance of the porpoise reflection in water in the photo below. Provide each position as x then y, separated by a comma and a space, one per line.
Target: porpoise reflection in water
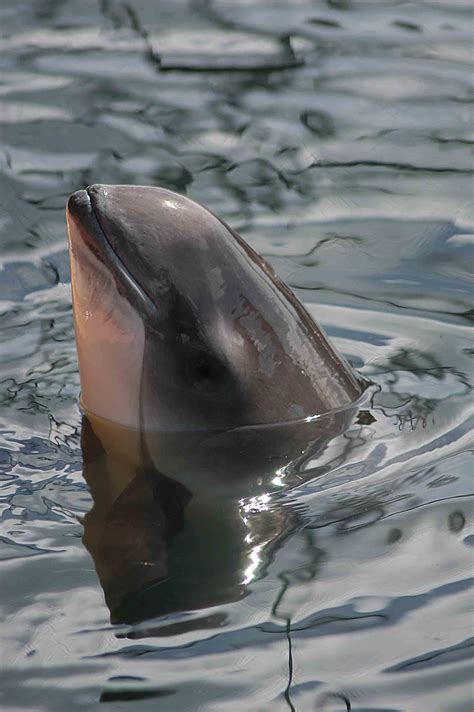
204, 380
184, 520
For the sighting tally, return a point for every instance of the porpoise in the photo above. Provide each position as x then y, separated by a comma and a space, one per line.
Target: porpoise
181, 325
206, 386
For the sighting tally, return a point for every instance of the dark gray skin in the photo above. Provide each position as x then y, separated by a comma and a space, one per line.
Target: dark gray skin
222, 343
206, 386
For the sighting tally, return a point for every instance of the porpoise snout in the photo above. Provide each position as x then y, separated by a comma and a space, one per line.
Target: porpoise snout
78, 201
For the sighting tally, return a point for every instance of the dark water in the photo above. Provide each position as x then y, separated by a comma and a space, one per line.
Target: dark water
336, 137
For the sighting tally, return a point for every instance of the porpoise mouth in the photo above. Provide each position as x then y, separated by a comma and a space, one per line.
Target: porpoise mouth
109, 309
81, 211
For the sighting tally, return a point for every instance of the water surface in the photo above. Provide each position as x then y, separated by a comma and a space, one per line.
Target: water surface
336, 137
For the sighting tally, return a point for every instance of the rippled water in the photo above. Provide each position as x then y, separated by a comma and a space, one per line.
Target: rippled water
336, 138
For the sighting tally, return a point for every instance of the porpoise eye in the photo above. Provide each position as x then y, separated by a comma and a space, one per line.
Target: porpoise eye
204, 372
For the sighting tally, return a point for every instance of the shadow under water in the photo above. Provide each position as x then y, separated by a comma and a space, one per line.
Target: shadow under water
187, 520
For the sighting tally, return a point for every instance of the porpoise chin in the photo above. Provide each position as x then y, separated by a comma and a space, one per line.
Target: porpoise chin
181, 325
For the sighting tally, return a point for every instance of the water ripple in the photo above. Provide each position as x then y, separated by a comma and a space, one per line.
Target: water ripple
335, 136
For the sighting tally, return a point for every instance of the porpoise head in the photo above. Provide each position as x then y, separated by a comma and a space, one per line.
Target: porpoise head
180, 325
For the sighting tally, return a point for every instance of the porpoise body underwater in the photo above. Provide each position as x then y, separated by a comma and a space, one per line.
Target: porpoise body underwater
203, 380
